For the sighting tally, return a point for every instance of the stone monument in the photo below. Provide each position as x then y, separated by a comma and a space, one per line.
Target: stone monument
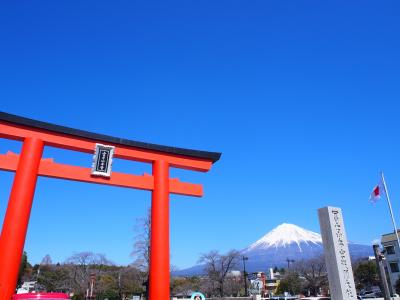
337, 257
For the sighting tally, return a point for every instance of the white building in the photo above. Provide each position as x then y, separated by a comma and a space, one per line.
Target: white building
27, 287
392, 255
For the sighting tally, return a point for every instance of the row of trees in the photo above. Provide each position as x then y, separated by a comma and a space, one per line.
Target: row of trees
308, 277
121, 282
75, 274
117, 282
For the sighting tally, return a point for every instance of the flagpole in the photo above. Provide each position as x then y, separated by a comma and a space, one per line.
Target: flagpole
390, 209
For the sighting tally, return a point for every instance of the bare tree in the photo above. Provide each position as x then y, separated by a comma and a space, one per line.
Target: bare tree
88, 258
82, 265
234, 283
82, 258
102, 260
79, 267
141, 247
46, 260
314, 272
218, 266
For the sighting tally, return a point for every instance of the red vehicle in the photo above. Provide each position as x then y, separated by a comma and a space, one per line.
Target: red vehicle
47, 296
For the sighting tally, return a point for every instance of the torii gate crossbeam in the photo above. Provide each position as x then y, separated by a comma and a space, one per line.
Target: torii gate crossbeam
29, 165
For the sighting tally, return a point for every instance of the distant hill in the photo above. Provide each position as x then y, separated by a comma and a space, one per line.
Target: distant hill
287, 241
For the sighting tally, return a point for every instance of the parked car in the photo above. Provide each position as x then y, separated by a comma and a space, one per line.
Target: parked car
371, 294
284, 298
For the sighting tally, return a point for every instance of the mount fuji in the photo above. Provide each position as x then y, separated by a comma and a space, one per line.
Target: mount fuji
286, 241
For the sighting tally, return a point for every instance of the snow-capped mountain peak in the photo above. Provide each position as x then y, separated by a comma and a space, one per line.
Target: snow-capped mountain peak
286, 243
284, 235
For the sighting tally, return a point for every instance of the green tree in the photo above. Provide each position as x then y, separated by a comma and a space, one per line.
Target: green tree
107, 287
179, 286
25, 268
184, 285
54, 278
291, 283
366, 274
397, 286
131, 280
78, 297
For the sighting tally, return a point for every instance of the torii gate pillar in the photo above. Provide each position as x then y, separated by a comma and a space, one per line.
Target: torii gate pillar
159, 250
17, 215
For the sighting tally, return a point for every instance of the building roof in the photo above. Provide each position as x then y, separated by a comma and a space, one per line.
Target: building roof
389, 237
18, 120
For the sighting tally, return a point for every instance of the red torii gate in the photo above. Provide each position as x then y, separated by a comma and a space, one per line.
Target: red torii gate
29, 164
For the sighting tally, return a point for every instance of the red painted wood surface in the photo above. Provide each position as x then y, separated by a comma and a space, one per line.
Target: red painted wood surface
59, 140
17, 215
159, 250
48, 168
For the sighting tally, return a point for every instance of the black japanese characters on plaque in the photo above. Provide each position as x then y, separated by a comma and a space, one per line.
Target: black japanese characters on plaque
102, 160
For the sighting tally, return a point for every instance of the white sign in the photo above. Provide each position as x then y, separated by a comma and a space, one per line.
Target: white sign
102, 160
256, 286
337, 257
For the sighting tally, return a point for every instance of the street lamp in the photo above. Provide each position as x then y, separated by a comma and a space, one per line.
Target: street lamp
289, 261
245, 274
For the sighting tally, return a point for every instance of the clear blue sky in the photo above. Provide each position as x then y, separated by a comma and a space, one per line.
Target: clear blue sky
301, 97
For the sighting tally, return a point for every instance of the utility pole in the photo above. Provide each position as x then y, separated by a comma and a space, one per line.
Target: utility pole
119, 285
381, 271
37, 279
245, 274
91, 286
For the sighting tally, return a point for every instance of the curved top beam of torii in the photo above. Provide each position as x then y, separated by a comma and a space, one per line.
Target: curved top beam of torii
17, 127
196, 154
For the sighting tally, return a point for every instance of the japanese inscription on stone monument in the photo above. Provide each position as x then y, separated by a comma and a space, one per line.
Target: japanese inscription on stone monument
337, 257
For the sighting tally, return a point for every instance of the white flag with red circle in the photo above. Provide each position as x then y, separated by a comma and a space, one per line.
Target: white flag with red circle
377, 192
